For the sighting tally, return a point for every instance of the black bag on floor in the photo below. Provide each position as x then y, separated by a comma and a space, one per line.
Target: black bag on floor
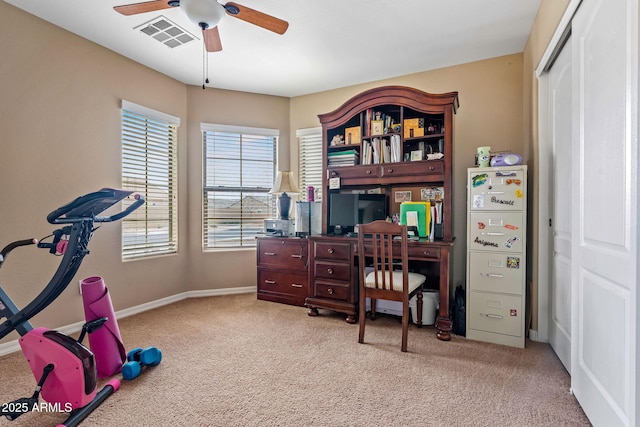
459, 312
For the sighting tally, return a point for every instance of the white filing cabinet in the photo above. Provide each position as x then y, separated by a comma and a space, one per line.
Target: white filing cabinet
496, 254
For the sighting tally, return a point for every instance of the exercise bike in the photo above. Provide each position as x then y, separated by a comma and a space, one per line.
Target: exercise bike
65, 370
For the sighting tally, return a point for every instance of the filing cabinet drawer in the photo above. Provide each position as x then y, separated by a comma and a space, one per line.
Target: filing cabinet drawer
500, 314
336, 291
294, 284
496, 272
284, 253
333, 271
496, 231
332, 250
497, 190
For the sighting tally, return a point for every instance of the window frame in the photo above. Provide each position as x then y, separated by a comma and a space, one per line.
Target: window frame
310, 168
151, 143
244, 242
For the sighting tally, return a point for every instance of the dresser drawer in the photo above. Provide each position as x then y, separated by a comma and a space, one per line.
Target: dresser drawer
413, 169
283, 253
496, 272
340, 251
496, 231
500, 314
282, 282
423, 253
333, 271
334, 291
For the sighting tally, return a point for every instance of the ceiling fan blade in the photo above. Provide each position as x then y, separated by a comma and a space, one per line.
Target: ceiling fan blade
147, 6
212, 39
254, 17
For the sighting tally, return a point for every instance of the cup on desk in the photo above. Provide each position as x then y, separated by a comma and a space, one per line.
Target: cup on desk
484, 156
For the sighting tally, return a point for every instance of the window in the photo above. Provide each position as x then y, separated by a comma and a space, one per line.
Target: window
310, 161
149, 168
239, 171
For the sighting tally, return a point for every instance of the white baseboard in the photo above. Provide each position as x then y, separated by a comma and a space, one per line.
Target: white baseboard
13, 346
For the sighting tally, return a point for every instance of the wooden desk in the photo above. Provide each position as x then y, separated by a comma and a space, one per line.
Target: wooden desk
333, 276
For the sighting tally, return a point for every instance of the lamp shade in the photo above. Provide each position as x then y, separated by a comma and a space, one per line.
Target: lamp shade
284, 183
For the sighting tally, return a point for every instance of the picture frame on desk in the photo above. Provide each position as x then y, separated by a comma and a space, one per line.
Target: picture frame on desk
416, 155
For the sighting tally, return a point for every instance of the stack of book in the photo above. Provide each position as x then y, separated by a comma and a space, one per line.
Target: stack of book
343, 158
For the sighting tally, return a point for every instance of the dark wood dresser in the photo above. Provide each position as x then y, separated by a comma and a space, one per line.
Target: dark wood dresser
282, 269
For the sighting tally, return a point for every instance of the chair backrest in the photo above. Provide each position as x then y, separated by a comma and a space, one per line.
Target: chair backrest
375, 240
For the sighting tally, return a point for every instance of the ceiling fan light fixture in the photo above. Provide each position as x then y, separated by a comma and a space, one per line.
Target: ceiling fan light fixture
203, 13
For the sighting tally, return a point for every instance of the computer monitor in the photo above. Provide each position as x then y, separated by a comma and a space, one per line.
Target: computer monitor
348, 210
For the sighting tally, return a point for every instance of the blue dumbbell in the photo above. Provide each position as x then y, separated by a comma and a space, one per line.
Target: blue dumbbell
139, 358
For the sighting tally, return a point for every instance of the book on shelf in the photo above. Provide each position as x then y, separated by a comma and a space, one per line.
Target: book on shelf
343, 158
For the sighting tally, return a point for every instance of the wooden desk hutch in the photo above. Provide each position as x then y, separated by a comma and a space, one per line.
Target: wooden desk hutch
421, 124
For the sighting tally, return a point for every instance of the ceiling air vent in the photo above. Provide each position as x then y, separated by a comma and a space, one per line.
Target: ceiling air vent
166, 32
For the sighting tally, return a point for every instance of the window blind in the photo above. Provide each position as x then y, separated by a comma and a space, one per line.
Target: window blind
149, 168
310, 161
239, 171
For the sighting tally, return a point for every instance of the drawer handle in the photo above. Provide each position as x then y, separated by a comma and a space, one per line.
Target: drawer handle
390, 170
330, 250
368, 172
334, 174
330, 291
270, 253
432, 168
330, 270
296, 285
426, 253
270, 282
493, 234
493, 316
296, 256
499, 276
495, 192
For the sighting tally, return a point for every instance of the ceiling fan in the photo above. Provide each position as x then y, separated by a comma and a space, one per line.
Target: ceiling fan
207, 14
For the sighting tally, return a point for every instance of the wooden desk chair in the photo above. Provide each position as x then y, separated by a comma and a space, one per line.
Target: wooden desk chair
375, 239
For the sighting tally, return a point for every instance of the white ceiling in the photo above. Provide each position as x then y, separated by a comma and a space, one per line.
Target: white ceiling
329, 43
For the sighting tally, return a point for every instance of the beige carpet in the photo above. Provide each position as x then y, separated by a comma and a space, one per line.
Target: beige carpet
236, 361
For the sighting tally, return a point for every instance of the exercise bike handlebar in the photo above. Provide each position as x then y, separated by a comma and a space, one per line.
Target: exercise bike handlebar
11, 246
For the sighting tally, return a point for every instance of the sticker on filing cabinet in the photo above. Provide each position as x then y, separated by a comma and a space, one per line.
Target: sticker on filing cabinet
509, 243
506, 173
510, 227
498, 201
481, 225
334, 183
513, 262
479, 180
481, 242
513, 312
519, 194
478, 201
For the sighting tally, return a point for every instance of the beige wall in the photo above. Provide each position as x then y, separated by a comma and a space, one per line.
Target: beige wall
60, 113
547, 20
490, 113
235, 268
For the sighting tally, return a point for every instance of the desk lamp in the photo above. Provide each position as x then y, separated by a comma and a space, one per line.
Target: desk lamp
284, 183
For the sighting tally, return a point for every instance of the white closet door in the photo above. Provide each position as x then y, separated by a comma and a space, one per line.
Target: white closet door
560, 112
604, 230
